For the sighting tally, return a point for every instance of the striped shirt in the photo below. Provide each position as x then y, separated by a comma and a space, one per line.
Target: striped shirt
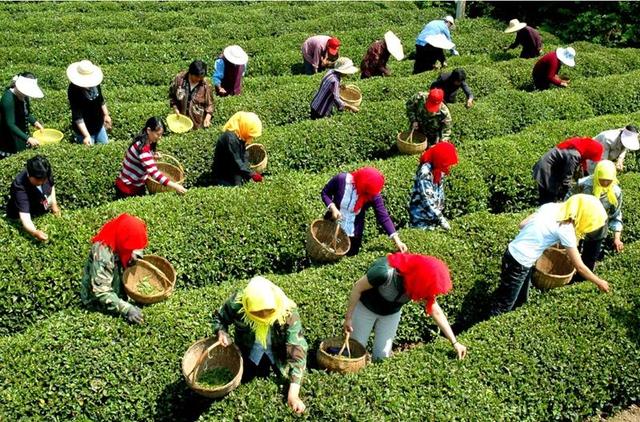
138, 164
328, 94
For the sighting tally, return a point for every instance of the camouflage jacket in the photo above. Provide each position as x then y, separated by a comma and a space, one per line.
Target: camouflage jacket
437, 127
287, 341
102, 281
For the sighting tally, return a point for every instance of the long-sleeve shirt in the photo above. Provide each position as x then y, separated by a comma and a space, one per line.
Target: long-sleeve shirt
218, 71
314, 49
445, 82
375, 60
545, 71
612, 145
139, 164
554, 171
334, 192
230, 164
614, 212
328, 95
86, 107
530, 41
27, 198
436, 127
427, 200
195, 102
287, 342
14, 116
433, 28
102, 281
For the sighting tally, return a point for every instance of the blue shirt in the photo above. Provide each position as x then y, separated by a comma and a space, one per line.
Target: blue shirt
218, 71
433, 28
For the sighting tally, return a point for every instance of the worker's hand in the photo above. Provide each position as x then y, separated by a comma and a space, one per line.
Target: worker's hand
444, 223
461, 350
603, 286
108, 123
256, 177
296, 404
618, 245
222, 91
207, 121
224, 338
415, 125
402, 247
180, 190
134, 315
348, 326
33, 142
176, 111
40, 235
619, 165
38, 126
469, 103
351, 108
564, 84
335, 213
87, 140
55, 210
444, 64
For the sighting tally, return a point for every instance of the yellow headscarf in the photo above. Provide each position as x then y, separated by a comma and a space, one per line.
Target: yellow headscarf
262, 294
245, 124
605, 169
586, 211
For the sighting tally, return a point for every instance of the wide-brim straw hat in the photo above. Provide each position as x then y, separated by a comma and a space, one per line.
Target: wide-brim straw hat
514, 26
394, 45
28, 87
345, 65
236, 55
84, 74
440, 41
630, 139
566, 56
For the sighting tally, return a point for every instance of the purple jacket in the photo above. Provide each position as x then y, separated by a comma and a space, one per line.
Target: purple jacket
333, 193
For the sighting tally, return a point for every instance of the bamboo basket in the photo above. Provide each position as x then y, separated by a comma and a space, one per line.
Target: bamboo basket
257, 156
411, 142
205, 354
553, 269
355, 361
351, 95
173, 170
161, 274
326, 241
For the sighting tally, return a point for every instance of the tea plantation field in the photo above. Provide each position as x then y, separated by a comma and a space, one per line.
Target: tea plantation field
569, 354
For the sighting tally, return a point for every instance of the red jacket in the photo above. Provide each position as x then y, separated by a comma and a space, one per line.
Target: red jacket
545, 71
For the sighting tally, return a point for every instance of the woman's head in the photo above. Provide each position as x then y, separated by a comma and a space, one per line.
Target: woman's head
38, 170
589, 149
585, 212
197, 71
125, 235
369, 182
604, 181
442, 157
25, 84
458, 76
154, 128
246, 125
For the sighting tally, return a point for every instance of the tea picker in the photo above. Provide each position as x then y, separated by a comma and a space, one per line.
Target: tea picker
428, 114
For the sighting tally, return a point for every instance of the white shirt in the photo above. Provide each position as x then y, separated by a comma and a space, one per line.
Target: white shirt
541, 231
613, 148
347, 205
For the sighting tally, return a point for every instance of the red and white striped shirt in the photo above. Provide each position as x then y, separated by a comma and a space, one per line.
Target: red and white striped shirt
138, 164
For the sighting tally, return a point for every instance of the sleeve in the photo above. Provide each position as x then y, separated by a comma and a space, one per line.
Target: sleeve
446, 31
30, 117
577, 188
297, 348
149, 164
438, 83
516, 42
74, 105
225, 315
239, 158
8, 111
567, 236
316, 56
335, 88
173, 89
552, 72
412, 105
427, 193
445, 126
101, 274
622, 155
329, 191
467, 90
218, 72
100, 96
377, 273
382, 215
568, 166
208, 92
21, 199
615, 219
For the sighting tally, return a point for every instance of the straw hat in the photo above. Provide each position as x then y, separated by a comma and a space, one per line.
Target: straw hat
236, 55
566, 56
514, 26
630, 139
440, 41
28, 87
394, 45
84, 74
345, 65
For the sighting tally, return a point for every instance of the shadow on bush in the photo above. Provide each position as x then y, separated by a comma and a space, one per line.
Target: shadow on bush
178, 403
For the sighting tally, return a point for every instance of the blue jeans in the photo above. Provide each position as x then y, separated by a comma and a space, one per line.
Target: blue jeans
513, 290
99, 138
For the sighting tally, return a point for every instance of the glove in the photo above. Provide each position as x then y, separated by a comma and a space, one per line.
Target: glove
445, 224
134, 315
256, 177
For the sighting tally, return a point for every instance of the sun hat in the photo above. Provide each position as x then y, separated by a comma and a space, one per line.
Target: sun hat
236, 55
435, 98
629, 138
514, 26
394, 45
332, 46
449, 19
84, 74
567, 55
440, 41
28, 87
345, 65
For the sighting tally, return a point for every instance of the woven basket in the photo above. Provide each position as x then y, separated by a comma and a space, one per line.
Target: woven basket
161, 274
173, 170
326, 241
337, 363
351, 95
257, 156
205, 354
553, 269
411, 142
48, 136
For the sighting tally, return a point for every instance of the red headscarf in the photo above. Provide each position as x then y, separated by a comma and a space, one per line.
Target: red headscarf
369, 183
442, 157
123, 235
589, 149
424, 276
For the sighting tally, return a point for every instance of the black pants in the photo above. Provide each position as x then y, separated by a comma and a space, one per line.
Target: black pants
545, 196
315, 115
426, 58
513, 290
591, 248
356, 243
